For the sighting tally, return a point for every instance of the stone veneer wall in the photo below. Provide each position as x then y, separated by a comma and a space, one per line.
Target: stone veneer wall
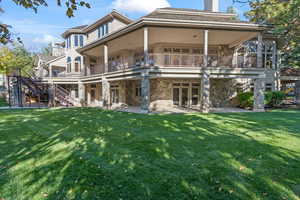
223, 92
161, 98
131, 98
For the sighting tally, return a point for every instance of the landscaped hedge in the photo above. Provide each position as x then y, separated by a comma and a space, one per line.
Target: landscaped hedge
272, 99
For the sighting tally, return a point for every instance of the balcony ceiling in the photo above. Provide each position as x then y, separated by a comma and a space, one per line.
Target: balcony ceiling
158, 35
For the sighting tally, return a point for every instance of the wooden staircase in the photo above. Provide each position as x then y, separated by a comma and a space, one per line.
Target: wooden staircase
38, 88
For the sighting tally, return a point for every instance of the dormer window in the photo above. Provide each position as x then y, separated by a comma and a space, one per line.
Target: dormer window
103, 30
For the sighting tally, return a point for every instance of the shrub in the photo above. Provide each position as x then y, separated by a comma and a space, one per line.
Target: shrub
245, 99
276, 98
272, 99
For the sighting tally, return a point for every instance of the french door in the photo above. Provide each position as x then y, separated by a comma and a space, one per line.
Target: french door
186, 94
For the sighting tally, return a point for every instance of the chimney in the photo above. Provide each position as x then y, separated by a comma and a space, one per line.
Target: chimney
211, 5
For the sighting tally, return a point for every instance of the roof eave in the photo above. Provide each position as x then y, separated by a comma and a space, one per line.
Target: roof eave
168, 22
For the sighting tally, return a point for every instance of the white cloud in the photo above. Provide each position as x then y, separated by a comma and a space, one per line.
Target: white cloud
46, 39
141, 6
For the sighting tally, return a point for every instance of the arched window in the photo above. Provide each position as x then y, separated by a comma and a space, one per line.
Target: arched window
69, 62
77, 64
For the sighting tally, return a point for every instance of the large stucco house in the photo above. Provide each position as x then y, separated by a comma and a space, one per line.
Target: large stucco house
171, 57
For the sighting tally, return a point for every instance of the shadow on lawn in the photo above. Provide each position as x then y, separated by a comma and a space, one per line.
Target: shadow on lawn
92, 154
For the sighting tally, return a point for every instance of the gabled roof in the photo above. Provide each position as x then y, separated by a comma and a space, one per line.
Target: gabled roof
194, 15
76, 29
85, 28
110, 16
289, 71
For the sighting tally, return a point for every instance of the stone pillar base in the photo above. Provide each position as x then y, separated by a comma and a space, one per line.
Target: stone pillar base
259, 110
205, 92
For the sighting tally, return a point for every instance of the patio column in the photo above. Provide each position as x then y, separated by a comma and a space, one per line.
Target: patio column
259, 51
105, 49
105, 92
297, 93
145, 87
86, 67
81, 93
146, 46
205, 52
259, 96
205, 91
88, 95
51, 95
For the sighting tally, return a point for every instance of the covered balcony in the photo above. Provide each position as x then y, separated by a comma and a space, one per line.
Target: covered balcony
177, 48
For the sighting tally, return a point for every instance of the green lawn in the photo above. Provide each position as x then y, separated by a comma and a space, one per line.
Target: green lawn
87, 153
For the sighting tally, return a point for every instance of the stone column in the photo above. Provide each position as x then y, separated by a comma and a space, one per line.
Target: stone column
205, 52
205, 91
259, 51
105, 92
88, 95
259, 96
297, 93
145, 87
51, 95
81, 93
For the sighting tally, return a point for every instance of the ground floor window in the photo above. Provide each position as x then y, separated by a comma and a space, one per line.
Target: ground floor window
138, 91
114, 93
186, 94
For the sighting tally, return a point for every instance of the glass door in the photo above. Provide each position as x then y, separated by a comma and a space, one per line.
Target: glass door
185, 97
176, 96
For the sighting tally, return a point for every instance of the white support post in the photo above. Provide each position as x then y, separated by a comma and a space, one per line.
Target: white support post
259, 51
105, 49
205, 48
50, 71
146, 46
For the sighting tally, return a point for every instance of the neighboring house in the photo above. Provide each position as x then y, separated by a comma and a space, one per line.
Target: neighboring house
170, 57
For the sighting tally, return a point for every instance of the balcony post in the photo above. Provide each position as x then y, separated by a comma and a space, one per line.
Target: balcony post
259, 96
259, 51
50, 71
146, 46
205, 58
105, 49
205, 91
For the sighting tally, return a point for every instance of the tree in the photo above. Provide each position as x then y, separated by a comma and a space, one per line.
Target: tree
284, 15
71, 6
14, 58
47, 51
233, 10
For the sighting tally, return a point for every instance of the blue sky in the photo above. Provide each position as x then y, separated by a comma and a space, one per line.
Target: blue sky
36, 30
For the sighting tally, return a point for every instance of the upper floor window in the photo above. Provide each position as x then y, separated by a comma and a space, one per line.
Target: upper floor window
69, 64
103, 30
77, 64
81, 40
68, 42
76, 40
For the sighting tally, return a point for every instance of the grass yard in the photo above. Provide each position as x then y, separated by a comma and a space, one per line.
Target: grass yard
86, 153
